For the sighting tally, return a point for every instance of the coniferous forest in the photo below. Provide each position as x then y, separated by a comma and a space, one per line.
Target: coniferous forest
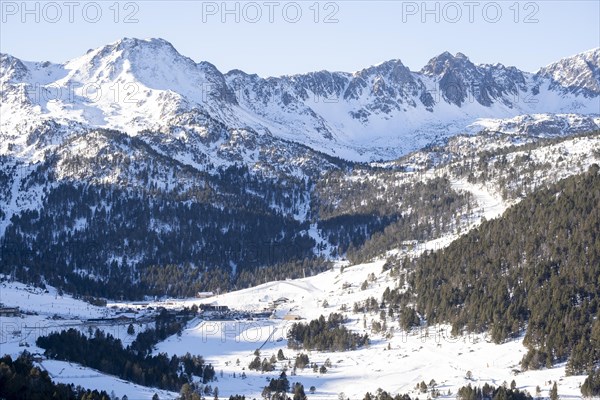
533, 272
107, 354
325, 335
20, 379
219, 231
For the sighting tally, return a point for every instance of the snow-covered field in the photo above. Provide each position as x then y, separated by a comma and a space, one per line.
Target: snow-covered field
412, 357
45, 311
396, 363
67, 373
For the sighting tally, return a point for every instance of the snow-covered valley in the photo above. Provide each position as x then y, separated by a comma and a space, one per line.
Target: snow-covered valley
396, 363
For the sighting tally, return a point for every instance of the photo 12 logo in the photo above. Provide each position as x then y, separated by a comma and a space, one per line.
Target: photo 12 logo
90, 93
69, 12
252, 12
470, 11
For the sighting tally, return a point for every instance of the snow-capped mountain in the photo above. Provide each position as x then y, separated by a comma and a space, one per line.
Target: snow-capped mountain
578, 74
382, 111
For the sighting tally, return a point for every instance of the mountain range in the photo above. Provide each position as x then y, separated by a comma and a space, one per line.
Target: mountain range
380, 112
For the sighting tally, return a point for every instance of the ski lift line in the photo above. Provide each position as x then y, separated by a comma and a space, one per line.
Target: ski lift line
268, 338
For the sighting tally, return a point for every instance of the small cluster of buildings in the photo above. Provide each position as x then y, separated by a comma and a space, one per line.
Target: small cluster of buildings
279, 302
216, 311
10, 312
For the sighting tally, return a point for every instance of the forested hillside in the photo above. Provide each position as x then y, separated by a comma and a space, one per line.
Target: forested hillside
123, 220
368, 211
535, 271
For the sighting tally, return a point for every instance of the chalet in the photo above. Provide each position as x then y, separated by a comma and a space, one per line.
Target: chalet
204, 295
275, 303
292, 317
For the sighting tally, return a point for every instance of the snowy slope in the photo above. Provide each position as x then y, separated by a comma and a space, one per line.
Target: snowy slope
412, 357
45, 311
70, 373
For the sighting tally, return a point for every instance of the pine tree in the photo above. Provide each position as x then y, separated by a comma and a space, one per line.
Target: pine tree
280, 355
554, 392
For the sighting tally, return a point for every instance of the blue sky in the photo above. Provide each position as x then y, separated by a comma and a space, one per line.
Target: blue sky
286, 37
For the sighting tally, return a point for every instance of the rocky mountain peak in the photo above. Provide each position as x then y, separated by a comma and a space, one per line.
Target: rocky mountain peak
12, 69
445, 62
578, 74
